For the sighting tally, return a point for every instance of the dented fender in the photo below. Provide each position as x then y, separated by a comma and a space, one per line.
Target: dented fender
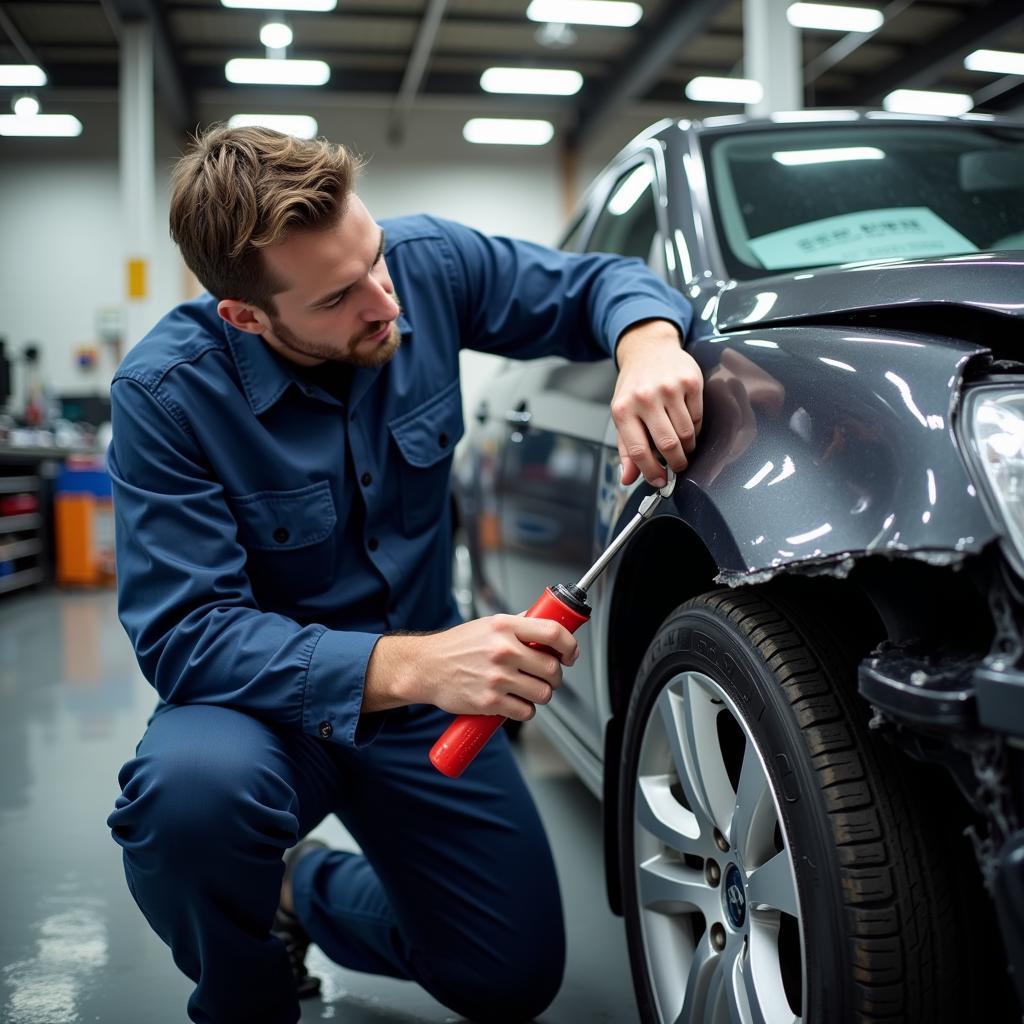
822, 445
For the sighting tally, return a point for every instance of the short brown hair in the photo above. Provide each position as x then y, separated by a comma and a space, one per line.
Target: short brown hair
238, 190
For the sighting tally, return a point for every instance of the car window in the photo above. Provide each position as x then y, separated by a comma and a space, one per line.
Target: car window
787, 200
628, 224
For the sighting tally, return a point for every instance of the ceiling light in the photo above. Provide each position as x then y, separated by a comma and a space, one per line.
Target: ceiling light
999, 62
802, 116
282, 5
275, 35
555, 35
25, 106
922, 101
586, 12
41, 125
799, 157
540, 81
708, 89
508, 131
22, 75
834, 18
302, 126
255, 71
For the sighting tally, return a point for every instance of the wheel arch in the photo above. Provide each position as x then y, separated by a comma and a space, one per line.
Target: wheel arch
882, 599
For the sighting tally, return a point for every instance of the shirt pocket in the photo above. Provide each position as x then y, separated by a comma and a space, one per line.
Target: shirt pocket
426, 437
290, 539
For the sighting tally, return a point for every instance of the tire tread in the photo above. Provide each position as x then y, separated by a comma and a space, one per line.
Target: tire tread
897, 904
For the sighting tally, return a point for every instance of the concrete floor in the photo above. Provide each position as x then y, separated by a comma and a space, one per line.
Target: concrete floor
73, 945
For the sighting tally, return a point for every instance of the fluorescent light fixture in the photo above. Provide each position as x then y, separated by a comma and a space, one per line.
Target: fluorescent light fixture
801, 116
26, 106
800, 157
275, 35
834, 18
999, 62
707, 89
923, 101
282, 5
586, 12
22, 75
540, 81
41, 125
508, 131
256, 71
631, 189
302, 126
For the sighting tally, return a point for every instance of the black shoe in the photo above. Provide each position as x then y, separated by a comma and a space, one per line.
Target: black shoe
289, 930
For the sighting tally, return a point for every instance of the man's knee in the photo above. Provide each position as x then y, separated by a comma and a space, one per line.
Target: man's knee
180, 800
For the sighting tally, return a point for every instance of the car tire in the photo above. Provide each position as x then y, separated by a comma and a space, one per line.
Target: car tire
822, 896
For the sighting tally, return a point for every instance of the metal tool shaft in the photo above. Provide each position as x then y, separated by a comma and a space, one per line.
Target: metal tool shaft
646, 506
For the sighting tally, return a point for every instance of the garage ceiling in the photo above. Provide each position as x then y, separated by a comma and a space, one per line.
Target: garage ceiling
371, 45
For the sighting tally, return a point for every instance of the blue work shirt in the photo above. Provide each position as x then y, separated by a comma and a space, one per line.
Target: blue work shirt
268, 531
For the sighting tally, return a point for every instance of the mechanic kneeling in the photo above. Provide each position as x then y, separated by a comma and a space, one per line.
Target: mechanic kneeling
280, 461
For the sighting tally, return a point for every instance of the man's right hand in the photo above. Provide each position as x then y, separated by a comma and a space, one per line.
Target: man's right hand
482, 667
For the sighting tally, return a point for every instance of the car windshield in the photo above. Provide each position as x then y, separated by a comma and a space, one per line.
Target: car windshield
811, 197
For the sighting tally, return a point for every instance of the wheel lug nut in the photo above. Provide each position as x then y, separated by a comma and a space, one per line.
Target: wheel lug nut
712, 872
720, 841
717, 937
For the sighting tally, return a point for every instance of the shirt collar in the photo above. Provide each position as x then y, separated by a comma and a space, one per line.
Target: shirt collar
265, 375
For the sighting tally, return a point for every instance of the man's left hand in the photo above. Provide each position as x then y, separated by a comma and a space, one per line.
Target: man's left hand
658, 397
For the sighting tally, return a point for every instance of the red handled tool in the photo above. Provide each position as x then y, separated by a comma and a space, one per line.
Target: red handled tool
468, 734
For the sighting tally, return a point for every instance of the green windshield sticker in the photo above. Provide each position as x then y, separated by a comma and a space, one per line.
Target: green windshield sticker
906, 232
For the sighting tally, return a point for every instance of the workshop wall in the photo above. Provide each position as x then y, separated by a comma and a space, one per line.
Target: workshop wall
61, 261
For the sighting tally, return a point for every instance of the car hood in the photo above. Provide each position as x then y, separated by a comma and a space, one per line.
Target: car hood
988, 282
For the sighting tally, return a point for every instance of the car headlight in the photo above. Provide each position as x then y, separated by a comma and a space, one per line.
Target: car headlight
995, 421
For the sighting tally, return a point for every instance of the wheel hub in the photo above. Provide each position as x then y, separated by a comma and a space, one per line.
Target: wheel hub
734, 897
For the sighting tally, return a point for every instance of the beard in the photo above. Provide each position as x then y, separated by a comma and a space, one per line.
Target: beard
377, 356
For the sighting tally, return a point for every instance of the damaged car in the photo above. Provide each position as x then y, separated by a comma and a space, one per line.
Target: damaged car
801, 693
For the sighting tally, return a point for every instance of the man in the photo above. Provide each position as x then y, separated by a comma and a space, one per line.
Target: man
280, 456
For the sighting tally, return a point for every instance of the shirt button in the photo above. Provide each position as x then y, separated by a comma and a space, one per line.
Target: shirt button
281, 535
366, 479
373, 543
326, 730
443, 440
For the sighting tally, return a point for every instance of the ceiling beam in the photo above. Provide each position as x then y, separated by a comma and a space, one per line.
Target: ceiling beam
842, 48
27, 54
924, 65
642, 65
1003, 96
170, 79
416, 68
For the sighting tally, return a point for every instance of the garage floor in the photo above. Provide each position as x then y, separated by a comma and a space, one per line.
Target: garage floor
73, 945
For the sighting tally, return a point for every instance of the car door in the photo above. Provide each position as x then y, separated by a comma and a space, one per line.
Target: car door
554, 458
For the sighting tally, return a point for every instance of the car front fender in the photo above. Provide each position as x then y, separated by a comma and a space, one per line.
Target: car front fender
821, 444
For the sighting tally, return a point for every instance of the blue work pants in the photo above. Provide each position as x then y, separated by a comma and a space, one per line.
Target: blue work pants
455, 887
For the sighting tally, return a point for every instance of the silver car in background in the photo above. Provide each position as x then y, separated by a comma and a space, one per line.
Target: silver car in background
801, 694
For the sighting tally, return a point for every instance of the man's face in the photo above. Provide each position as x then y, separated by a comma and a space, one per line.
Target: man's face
339, 303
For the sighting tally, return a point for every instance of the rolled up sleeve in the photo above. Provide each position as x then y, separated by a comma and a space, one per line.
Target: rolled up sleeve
186, 602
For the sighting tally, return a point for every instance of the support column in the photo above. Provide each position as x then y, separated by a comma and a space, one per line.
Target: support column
772, 56
137, 179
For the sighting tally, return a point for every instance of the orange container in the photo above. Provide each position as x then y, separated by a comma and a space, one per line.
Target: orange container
84, 525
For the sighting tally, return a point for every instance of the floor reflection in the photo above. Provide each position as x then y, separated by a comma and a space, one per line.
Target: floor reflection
73, 945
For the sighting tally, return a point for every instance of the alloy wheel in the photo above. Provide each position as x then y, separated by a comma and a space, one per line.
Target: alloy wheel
716, 890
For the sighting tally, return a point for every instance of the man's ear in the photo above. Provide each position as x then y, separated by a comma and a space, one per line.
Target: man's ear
243, 316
